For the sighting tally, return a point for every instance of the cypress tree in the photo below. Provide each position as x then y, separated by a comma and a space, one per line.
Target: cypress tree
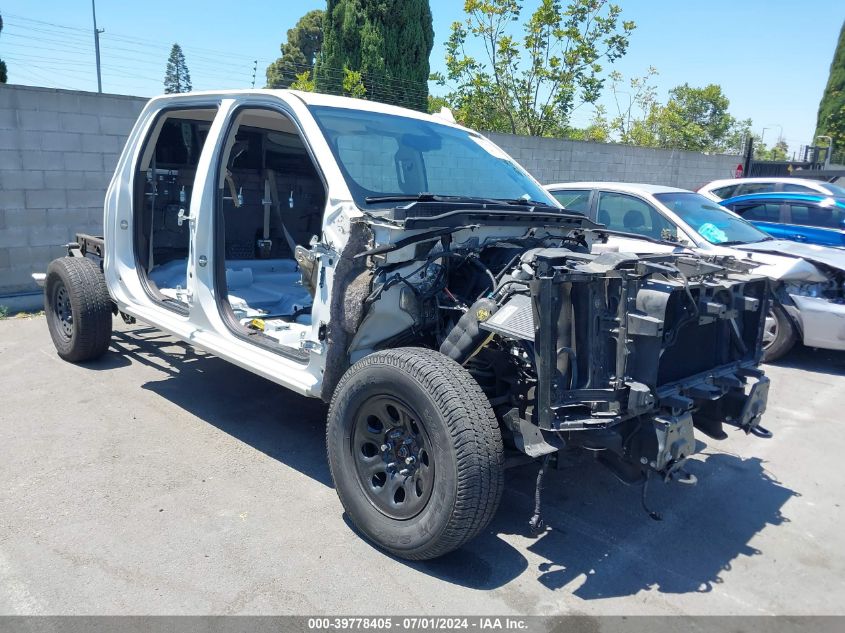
176, 76
831, 118
299, 53
387, 41
3, 76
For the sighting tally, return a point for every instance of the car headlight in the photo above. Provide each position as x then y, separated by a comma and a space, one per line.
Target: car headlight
806, 289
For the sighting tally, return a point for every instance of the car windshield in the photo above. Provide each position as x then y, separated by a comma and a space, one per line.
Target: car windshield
384, 155
714, 223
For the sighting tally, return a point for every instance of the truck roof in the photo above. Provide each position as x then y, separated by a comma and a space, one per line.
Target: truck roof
314, 98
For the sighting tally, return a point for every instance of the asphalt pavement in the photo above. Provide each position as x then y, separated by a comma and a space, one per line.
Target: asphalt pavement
161, 480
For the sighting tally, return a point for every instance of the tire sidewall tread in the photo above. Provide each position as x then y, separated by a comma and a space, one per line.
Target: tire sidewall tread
466, 445
91, 307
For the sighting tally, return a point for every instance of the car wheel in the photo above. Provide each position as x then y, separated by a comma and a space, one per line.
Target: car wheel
78, 308
415, 452
778, 334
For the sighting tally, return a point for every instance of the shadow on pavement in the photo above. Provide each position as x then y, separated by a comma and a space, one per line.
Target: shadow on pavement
598, 535
820, 361
602, 539
276, 421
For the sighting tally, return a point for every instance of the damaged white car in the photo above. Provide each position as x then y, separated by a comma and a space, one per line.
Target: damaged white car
408, 272
808, 280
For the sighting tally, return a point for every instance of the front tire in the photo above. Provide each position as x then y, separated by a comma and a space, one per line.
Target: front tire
778, 334
415, 452
78, 309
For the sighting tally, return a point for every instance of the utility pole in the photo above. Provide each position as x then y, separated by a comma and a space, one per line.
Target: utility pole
254, 70
97, 46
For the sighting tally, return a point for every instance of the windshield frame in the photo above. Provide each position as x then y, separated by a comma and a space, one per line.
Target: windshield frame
360, 193
664, 198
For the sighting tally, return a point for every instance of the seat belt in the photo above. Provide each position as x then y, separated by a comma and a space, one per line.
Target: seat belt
271, 200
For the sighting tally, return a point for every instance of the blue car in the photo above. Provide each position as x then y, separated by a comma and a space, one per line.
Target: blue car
801, 217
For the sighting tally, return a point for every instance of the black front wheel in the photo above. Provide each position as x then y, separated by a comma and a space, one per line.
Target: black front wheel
78, 308
415, 452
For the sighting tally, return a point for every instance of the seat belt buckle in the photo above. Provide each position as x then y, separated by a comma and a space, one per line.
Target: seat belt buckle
265, 247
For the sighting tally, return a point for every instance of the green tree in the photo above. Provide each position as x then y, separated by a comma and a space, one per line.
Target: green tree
176, 76
633, 106
831, 118
779, 151
299, 52
531, 84
598, 130
3, 76
387, 41
694, 119
351, 85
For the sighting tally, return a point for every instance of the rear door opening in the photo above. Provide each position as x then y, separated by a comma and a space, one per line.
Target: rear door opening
162, 191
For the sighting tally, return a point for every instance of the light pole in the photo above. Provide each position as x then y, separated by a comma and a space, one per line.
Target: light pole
829, 149
97, 46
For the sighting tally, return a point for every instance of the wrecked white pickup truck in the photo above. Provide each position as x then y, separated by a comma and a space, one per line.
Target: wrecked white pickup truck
407, 271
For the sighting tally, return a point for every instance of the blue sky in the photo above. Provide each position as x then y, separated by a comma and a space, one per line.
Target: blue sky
770, 57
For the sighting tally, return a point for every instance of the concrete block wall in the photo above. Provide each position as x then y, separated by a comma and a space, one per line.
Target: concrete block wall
58, 149
553, 160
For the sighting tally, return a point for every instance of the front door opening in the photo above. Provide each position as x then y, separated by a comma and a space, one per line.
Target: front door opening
270, 203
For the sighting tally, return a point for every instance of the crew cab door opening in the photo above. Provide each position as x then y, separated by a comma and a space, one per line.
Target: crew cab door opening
270, 201
163, 205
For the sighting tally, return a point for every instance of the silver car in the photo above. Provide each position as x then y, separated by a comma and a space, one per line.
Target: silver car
807, 279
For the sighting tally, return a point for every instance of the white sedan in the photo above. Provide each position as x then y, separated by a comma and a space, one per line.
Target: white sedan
809, 280
719, 190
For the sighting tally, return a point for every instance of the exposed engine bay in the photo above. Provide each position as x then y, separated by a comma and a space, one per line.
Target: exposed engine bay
620, 354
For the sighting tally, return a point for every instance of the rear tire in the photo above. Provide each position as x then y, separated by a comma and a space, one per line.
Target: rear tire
417, 411
78, 308
778, 335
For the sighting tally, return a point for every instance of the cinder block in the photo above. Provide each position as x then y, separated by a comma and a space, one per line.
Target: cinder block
50, 235
110, 162
38, 99
61, 142
45, 198
8, 119
97, 180
75, 122
4, 258
10, 159
78, 161
16, 218
120, 126
67, 101
38, 120
73, 218
95, 219
39, 159
20, 139
62, 179
18, 236
19, 179
85, 198
12, 199
99, 143
16, 279
114, 144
